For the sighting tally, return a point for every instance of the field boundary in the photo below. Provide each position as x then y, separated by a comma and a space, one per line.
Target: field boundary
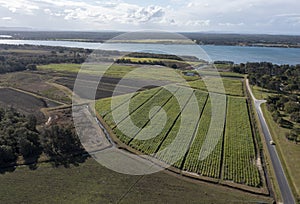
193, 176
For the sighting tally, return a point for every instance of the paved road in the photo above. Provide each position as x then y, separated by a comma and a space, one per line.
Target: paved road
284, 187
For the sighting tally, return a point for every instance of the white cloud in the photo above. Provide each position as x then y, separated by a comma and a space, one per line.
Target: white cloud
231, 24
286, 18
6, 18
197, 23
188, 15
22, 6
145, 14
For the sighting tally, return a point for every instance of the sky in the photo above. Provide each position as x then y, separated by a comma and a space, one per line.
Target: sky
234, 16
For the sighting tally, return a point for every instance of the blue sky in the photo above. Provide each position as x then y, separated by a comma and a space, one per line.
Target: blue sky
235, 16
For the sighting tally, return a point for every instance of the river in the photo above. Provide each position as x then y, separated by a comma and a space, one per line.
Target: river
237, 54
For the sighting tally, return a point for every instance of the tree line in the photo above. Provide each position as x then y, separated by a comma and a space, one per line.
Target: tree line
19, 138
24, 57
166, 63
284, 82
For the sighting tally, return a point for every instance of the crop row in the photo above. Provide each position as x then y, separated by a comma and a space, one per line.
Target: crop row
176, 144
172, 110
165, 124
120, 108
239, 152
205, 154
132, 124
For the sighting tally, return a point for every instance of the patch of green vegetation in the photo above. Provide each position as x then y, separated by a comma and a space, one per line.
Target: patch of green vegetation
220, 73
154, 60
232, 86
52, 94
92, 183
24, 51
146, 72
61, 67
239, 139
211, 165
261, 93
239, 156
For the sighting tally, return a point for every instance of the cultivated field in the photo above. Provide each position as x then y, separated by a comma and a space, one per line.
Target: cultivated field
38, 83
232, 86
23, 102
233, 157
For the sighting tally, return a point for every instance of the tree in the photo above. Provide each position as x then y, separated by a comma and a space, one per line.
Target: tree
276, 116
29, 144
295, 117
6, 154
60, 142
31, 67
18, 136
31, 122
291, 107
294, 134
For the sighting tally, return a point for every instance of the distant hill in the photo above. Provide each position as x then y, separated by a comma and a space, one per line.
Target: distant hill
15, 29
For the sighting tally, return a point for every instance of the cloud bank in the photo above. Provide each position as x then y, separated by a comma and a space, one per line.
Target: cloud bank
253, 16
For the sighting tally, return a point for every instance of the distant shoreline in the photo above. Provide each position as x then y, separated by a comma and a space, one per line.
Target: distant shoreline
200, 38
237, 54
167, 42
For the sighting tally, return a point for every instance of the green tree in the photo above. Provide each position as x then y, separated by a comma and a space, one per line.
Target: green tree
6, 154
295, 117
291, 107
31, 122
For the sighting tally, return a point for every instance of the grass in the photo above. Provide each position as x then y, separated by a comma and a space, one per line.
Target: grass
25, 51
232, 87
92, 183
154, 41
147, 72
93, 69
169, 61
261, 93
220, 73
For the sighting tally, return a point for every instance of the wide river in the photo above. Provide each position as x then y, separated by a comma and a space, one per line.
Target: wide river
237, 54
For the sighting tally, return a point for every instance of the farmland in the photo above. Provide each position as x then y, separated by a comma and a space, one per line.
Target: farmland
36, 83
225, 151
239, 157
232, 159
44, 83
90, 182
149, 72
28, 105
232, 86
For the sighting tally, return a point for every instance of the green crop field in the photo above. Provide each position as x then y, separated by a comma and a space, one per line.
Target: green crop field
232, 86
211, 165
220, 147
146, 72
239, 156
